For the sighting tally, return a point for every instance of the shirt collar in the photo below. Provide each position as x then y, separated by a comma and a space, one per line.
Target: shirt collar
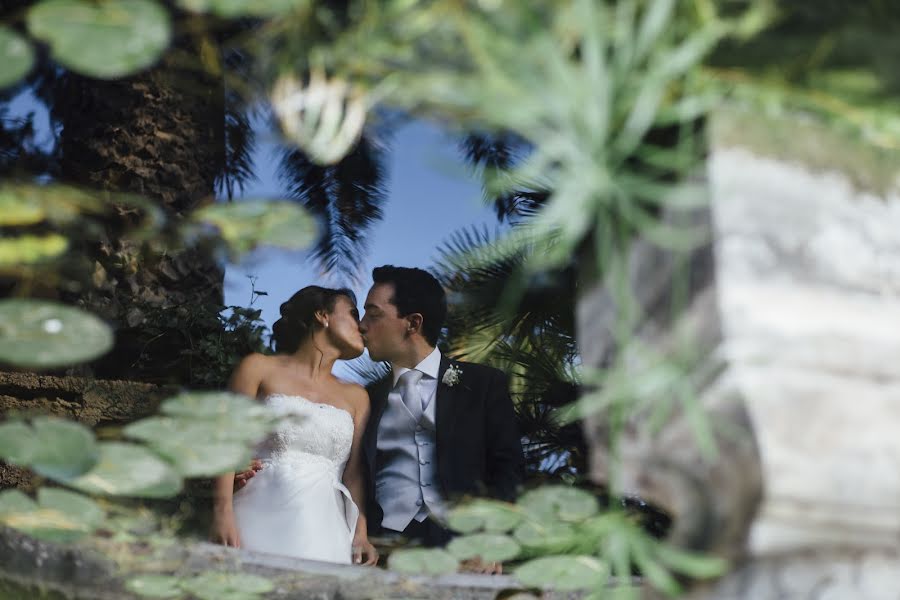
429, 366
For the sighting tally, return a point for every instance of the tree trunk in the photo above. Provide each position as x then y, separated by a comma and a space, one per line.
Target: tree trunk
159, 135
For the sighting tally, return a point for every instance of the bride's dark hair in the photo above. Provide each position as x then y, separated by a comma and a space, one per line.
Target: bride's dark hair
298, 315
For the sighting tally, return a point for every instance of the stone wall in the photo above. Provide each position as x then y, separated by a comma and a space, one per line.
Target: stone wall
95, 403
800, 323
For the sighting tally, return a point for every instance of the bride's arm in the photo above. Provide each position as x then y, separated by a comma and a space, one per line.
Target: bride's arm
363, 551
245, 380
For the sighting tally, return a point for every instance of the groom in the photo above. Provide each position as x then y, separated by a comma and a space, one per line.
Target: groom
439, 429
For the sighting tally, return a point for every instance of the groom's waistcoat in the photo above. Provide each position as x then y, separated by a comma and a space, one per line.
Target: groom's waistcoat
406, 484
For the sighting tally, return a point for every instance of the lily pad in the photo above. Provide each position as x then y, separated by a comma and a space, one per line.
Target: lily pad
241, 8
216, 585
14, 501
39, 334
22, 204
547, 537
104, 39
212, 405
423, 561
564, 572
190, 430
246, 224
17, 56
560, 502
154, 586
51, 447
489, 515
15, 211
16, 443
203, 458
129, 470
76, 506
489, 547
58, 515
31, 249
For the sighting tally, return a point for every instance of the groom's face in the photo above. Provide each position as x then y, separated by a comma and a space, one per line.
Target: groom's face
383, 330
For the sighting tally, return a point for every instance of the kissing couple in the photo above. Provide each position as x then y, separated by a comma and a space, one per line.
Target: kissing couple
386, 461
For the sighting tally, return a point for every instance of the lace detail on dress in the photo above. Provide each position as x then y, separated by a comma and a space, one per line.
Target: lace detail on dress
308, 428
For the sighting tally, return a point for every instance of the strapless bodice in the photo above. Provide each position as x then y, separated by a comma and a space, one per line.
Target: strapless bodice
307, 431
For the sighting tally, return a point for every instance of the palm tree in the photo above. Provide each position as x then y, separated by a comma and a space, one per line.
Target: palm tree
529, 335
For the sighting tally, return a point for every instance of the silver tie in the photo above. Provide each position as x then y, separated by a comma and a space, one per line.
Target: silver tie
409, 392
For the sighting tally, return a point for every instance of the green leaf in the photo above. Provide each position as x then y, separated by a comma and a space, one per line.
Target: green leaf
104, 39
16, 57
63, 449
129, 470
186, 430
17, 444
239, 8
564, 572
547, 537
691, 564
15, 210
246, 224
14, 501
560, 502
31, 249
489, 547
203, 458
212, 405
154, 586
59, 515
214, 585
76, 506
52, 447
490, 515
39, 334
423, 561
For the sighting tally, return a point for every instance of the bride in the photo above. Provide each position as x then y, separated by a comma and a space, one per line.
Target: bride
305, 501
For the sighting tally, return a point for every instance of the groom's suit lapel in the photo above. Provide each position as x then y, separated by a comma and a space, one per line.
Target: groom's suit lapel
378, 397
445, 417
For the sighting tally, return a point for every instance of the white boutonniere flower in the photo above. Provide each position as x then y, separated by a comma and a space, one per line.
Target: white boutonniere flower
451, 376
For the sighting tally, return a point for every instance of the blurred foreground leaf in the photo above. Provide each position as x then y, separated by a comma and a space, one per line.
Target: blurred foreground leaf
247, 224
105, 39
58, 515
564, 572
51, 447
423, 561
39, 334
129, 470
16, 57
240, 8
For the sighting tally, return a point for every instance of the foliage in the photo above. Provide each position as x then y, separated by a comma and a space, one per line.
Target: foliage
561, 539
530, 337
197, 434
48, 334
592, 115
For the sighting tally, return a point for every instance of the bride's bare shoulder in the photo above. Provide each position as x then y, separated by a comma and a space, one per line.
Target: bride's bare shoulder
357, 395
257, 361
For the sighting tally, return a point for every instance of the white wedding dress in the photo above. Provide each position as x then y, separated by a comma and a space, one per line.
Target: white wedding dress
296, 505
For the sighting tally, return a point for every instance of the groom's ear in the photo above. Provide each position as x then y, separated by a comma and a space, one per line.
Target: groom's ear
414, 321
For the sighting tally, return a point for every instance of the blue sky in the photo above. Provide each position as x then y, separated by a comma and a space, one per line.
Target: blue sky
430, 194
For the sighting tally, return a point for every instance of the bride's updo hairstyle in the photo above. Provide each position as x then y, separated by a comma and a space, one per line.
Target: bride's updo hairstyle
298, 315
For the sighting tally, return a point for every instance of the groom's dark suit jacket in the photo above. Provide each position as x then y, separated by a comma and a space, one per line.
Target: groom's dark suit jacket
479, 450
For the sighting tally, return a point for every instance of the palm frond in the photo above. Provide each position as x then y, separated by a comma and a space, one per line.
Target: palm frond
493, 156
346, 197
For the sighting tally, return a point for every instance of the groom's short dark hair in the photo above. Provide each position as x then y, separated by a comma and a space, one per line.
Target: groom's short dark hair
416, 291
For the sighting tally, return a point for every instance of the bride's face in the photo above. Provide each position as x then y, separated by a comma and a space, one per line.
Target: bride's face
343, 329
